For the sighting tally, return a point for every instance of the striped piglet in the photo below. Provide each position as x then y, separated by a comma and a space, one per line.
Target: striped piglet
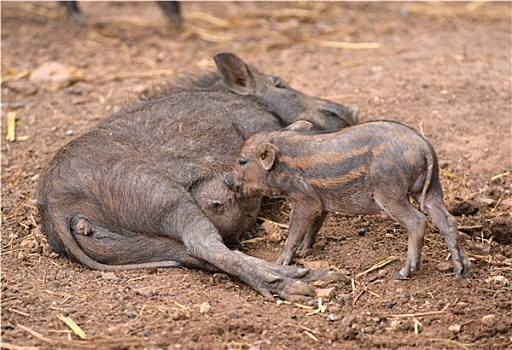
371, 168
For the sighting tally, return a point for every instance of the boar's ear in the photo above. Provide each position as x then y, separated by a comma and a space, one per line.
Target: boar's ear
235, 73
267, 154
301, 125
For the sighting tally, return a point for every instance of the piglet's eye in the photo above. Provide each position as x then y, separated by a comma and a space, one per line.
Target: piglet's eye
242, 161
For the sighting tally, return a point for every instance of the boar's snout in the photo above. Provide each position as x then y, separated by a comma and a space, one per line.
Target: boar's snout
335, 116
342, 116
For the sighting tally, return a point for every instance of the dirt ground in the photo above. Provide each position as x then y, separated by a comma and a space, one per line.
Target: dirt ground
444, 68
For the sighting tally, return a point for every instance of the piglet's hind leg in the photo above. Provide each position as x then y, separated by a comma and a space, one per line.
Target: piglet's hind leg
415, 222
447, 226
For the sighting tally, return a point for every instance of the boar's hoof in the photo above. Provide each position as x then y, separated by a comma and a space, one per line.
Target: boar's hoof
325, 276
298, 291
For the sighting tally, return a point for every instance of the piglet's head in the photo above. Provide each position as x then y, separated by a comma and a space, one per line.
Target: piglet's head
251, 174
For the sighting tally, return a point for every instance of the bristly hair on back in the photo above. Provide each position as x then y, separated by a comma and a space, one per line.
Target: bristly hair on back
210, 81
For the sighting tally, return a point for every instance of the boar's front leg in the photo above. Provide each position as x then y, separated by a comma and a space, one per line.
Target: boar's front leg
306, 215
202, 241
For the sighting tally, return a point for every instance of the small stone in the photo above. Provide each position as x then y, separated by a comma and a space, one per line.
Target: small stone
325, 293
485, 200
464, 208
79, 100
502, 327
23, 87
455, 328
382, 273
499, 279
333, 317
22, 256
501, 233
332, 335
349, 334
130, 313
109, 276
462, 304
317, 265
348, 320
344, 299
218, 278
52, 75
70, 132
177, 315
147, 292
73, 91
204, 308
489, 320
361, 231
444, 266
28, 243
389, 304
394, 324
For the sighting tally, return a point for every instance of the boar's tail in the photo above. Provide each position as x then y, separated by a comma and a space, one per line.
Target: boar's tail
72, 249
431, 168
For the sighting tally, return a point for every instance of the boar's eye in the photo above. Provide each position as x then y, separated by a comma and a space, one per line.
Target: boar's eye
242, 161
279, 83
213, 204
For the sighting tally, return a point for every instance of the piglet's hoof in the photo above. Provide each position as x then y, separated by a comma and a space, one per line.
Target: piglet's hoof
402, 275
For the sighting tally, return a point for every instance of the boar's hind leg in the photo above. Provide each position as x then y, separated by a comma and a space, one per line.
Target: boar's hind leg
415, 222
447, 226
112, 248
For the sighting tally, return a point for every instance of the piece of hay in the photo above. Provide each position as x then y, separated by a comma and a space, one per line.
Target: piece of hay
72, 324
11, 126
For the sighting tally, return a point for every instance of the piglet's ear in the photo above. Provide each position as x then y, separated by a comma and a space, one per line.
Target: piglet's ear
267, 153
300, 126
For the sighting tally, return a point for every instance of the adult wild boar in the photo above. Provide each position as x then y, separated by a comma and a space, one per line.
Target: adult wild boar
371, 168
145, 187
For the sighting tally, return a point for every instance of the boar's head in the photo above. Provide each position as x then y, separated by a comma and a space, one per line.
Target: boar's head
288, 104
230, 214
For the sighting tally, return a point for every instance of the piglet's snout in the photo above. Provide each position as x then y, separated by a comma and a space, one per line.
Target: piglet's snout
230, 182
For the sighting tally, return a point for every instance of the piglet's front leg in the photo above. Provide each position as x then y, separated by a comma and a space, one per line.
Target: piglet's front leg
304, 214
